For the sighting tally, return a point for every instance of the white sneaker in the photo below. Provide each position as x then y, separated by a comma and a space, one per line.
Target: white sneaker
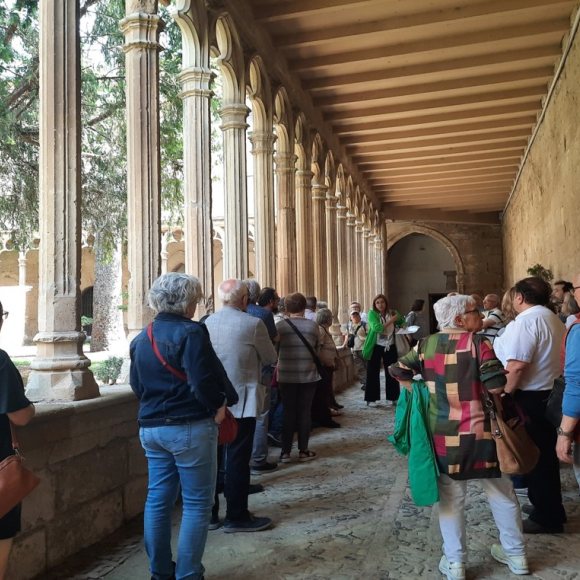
517, 564
453, 570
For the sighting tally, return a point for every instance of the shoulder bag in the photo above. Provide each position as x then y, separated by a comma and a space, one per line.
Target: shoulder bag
16, 482
228, 428
517, 454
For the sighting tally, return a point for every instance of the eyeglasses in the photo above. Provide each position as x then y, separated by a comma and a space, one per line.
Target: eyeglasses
5, 315
574, 288
475, 310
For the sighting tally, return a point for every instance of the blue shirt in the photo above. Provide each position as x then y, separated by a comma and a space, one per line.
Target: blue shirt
265, 316
571, 401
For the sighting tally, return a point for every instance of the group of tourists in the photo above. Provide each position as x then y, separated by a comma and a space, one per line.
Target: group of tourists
270, 362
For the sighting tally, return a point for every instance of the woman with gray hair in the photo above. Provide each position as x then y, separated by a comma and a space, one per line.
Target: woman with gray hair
182, 390
456, 365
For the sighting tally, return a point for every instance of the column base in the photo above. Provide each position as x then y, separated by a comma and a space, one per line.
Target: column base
61, 370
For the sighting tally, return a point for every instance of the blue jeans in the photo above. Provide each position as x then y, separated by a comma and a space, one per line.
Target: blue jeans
187, 455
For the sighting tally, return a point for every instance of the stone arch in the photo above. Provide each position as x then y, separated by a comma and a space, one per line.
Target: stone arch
230, 60
329, 171
260, 94
283, 122
441, 238
318, 159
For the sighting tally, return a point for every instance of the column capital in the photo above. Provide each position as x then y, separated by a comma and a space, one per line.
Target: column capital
319, 191
262, 141
196, 81
285, 162
350, 220
234, 116
142, 30
330, 202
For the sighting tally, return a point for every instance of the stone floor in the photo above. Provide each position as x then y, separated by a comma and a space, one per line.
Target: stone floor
345, 516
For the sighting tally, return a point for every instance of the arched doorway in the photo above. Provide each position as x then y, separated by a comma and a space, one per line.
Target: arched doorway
420, 267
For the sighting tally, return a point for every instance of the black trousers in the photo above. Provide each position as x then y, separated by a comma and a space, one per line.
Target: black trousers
236, 459
297, 400
544, 491
373, 387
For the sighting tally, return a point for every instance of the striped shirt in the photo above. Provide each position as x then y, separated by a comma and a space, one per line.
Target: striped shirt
295, 363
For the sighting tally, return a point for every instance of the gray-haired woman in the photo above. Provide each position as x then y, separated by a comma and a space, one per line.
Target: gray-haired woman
456, 365
178, 420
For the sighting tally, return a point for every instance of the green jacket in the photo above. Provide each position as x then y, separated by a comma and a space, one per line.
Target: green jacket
412, 437
374, 328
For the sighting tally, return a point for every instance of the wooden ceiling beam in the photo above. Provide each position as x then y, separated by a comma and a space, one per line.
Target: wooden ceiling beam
496, 97
395, 213
437, 161
540, 75
507, 113
269, 12
429, 45
500, 137
475, 128
436, 171
542, 55
416, 184
467, 192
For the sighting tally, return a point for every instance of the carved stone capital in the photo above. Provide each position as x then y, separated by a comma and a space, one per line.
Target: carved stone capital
141, 30
234, 116
195, 82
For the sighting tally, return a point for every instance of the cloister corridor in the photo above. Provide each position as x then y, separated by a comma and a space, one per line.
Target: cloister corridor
346, 516
405, 147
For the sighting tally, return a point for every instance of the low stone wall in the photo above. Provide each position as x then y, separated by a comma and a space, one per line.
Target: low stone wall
344, 375
94, 478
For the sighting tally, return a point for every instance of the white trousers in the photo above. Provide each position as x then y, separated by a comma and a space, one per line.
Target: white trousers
504, 507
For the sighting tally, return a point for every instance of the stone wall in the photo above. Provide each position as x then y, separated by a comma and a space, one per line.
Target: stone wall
476, 250
94, 478
541, 223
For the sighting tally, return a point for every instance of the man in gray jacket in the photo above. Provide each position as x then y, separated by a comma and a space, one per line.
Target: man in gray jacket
243, 345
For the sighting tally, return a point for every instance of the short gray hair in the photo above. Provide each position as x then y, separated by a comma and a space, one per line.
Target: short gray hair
174, 292
324, 316
232, 292
448, 308
253, 290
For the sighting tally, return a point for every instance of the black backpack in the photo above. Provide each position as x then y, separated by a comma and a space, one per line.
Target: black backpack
350, 339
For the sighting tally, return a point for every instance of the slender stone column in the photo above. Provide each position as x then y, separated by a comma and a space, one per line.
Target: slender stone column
368, 290
142, 48
285, 177
342, 263
265, 223
304, 265
196, 95
22, 268
351, 260
234, 127
361, 266
164, 253
331, 260
378, 262
60, 370
319, 240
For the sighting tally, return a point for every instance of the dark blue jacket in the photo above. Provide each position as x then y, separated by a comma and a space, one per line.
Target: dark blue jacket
165, 399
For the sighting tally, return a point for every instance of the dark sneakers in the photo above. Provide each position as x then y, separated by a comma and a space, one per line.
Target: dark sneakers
532, 527
215, 523
263, 468
252, 524
255, 488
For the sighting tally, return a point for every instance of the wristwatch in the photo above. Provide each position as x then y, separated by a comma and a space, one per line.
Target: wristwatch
563, 433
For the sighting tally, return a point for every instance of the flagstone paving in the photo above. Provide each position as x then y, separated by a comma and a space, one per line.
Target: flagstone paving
346, 515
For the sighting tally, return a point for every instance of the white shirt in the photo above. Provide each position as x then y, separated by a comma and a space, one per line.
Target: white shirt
535, 337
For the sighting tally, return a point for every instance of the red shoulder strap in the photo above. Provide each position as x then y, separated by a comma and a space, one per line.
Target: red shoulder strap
159, 356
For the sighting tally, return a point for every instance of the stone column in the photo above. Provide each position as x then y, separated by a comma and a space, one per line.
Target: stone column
164, 253
196, 96
379, 263
142, 48
286, 266
331, 261
234, 127
304, 265
60, 370
342, 263
368, 290
265, 223
318, 240
361, 267
351, 260
22, 268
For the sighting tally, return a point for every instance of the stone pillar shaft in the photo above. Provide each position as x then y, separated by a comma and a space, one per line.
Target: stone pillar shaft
342, 259
60, 370
22, 268
359, 282
285, 176
304, 262
234, 127
265, 223
142, 48
319, 240
196, 95
331, 257
351, 259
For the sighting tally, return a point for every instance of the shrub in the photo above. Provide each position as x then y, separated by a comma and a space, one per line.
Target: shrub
108, 371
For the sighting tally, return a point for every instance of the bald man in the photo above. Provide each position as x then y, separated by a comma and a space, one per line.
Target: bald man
493, 318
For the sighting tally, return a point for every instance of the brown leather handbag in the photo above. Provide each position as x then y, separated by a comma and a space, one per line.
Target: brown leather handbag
228, 428
16, 482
